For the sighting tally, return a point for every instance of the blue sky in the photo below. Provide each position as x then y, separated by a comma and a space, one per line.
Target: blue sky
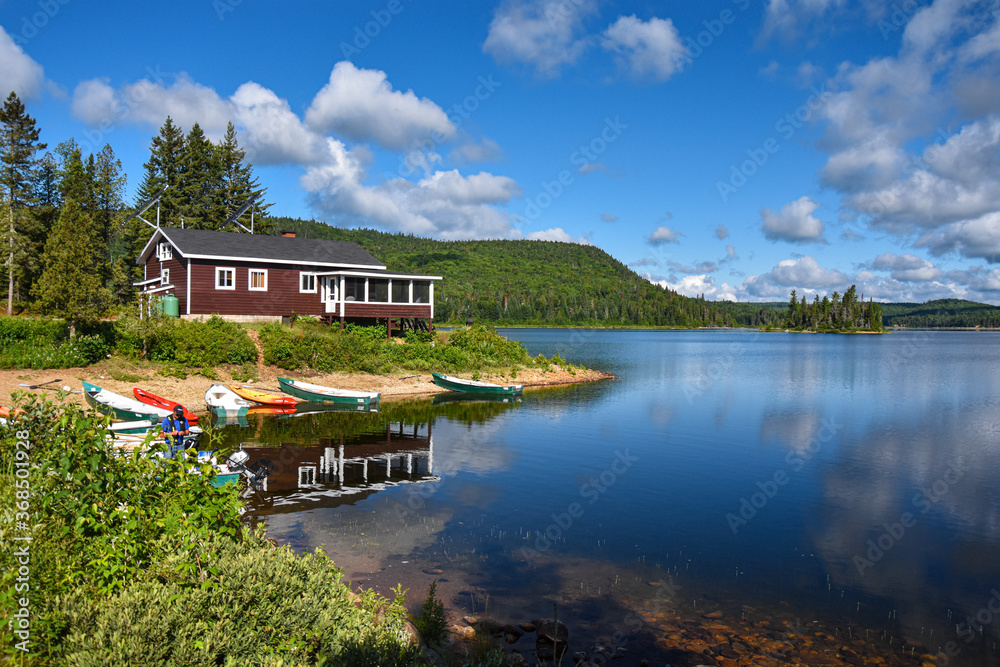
731, 148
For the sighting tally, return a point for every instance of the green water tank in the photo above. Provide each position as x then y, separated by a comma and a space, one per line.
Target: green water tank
171, 305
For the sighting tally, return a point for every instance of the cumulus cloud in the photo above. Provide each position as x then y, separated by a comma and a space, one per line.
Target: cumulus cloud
802, 274
721, 232
664, 234
542, 33
20, 73
795, 222
648, 50
360, 104
978, 238
696, 286
442, 204
556, 234
906, 267
470, 152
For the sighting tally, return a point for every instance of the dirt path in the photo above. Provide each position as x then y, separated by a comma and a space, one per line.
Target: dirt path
122, 377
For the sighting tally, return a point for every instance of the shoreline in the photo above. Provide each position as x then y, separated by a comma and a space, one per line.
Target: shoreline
190, 391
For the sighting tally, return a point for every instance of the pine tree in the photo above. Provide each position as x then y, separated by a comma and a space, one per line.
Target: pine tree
108, 201
18, 166
71, 285
239, 184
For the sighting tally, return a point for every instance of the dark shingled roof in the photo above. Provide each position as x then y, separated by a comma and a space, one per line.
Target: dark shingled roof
200, 242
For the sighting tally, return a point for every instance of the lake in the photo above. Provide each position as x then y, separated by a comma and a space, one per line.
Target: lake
821, 498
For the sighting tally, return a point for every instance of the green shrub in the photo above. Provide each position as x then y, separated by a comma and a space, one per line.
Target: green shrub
431, 621
136, 560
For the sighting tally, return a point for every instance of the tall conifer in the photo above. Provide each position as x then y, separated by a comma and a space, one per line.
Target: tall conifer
18, 146
240, 184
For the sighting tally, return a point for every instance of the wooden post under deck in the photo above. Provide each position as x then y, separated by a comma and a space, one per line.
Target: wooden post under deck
341, 320
388, 327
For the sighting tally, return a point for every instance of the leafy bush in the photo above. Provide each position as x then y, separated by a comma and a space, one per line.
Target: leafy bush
213, 342
45, 343
135, 560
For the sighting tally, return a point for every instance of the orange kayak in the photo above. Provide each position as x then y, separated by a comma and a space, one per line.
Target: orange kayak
163, 403
264, 397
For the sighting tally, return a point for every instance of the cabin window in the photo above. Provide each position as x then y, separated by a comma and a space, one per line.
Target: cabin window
378, 290
421, 291
164, 251
400, 291
164, 276
307, 282
354, 289
258, 280
225, 278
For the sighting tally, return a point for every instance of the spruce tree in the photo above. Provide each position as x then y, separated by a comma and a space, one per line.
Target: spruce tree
108, 201
18, 146
239, 184
201, 185
70, 285
165, 167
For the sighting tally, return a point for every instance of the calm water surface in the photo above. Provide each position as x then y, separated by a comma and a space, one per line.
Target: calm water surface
851, 482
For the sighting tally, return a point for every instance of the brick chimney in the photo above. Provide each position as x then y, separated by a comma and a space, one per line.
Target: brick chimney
288, 235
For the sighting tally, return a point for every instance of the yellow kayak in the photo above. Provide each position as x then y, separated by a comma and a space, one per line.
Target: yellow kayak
263, 397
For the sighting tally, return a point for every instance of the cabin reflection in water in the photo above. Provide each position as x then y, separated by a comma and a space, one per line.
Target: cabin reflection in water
344, 470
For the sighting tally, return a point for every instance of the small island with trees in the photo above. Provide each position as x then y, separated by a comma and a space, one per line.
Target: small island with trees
834, 314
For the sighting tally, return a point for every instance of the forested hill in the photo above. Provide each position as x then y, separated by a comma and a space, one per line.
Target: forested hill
942, 313
526, 282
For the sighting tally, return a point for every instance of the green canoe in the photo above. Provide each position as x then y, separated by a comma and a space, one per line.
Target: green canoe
474, 387
320, 394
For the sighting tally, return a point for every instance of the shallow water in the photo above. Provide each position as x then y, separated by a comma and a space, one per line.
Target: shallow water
806, 489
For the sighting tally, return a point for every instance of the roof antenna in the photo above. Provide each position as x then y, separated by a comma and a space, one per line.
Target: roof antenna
240, 211
155, 199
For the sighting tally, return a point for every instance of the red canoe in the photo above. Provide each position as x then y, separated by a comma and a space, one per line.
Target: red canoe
164, 403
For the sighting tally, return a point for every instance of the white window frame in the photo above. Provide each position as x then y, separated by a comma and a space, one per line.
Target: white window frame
164, 251
312, 276
250, 275
232, 282
164, 276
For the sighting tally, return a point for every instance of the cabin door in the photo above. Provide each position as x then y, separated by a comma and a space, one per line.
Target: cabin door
328, 292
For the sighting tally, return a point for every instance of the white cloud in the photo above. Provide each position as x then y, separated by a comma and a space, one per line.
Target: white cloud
804, 274
360, 104
663, 235
541, 33
795, 222
19, 73
906, 267
486, 150
977, 238
647, 49
445, 205
721, 232
556, 234
696, 286
787, 19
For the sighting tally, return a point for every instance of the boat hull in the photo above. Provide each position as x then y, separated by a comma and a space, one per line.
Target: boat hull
221, 397
472, 387
320, 394
163, 403
262, 397
121, 407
